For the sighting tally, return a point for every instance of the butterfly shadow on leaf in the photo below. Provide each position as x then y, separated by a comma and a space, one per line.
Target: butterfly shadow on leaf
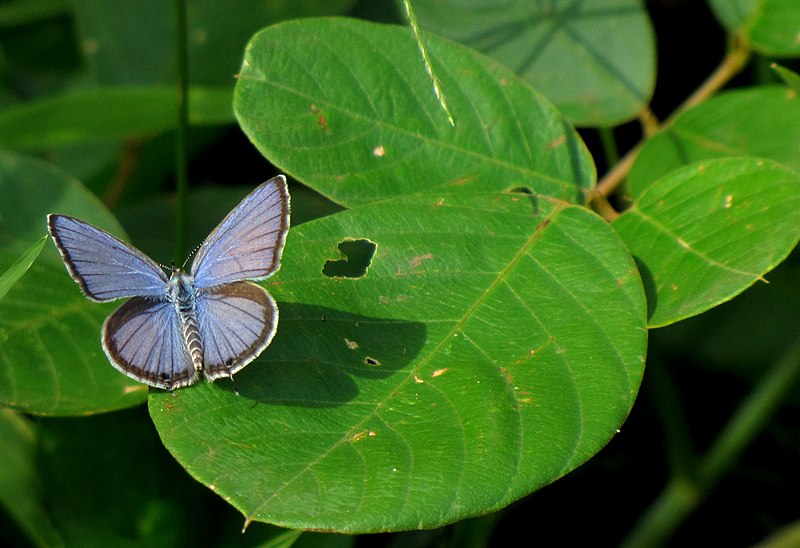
320, 356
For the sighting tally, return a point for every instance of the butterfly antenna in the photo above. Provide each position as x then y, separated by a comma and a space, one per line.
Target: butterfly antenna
183, 266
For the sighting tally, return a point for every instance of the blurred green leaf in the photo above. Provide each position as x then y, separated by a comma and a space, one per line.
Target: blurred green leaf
23, 12
740, 336
574, 53
20, 486
733, 13
20, 267
112, 30
762, 122
706, 232
770, 26
111, 483
495, 342
51, 360
97, 115
358, 121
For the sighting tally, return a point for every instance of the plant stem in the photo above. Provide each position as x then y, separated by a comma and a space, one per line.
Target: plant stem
736, 58
181, 155
685, 493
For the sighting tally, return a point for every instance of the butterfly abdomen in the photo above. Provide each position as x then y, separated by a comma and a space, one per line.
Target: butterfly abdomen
191, 336
183, 294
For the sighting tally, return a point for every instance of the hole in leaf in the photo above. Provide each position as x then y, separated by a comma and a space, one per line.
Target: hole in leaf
357, 258
521, 190
531, 195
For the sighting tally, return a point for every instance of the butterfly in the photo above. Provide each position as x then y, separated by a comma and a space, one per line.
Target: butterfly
209, 320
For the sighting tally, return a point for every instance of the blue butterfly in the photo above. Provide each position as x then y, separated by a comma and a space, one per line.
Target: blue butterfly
208, 320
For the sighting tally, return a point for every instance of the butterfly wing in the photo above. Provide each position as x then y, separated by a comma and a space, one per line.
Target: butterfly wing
237, 321
105, 267
248, 243
143, 340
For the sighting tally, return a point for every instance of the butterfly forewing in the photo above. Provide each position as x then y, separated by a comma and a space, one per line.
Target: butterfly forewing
248, 243
143, 340
105, 267
237, 321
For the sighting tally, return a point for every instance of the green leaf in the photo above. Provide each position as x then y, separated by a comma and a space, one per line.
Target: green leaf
495, 343
111, 483
358, 121
762, 122
51, 360
733, 13
24, 12
20, 487
113, 30
770, 26
572, 52
96, 115
20, 267
705, 233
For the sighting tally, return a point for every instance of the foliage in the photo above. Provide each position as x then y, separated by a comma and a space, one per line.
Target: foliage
465, 308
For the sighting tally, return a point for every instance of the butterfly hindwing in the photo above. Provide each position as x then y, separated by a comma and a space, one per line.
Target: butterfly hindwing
237, 322
143, 340
104, 266
248, 243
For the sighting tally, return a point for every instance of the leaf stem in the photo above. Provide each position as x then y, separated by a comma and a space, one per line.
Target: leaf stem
684, 493
735, 59
181, 154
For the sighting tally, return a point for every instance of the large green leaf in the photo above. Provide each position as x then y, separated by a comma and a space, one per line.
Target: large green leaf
770, 26
51, 360
495, 343
23, 12
705, 233
134, 42
111, 483
573, 52
20, 486
97, 115
763, 122
347, 108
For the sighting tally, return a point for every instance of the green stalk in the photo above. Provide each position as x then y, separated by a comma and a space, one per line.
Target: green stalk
683, 494
181, 154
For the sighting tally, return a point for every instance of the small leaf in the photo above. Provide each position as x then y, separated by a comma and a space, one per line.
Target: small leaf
95, 115
51, 360
572, 52
706, 232
358, 120
20, 267
762, 122
495, 343
770, 26
791, 78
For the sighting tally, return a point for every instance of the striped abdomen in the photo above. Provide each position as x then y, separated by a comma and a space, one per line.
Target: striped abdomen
191, 337
184, 296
